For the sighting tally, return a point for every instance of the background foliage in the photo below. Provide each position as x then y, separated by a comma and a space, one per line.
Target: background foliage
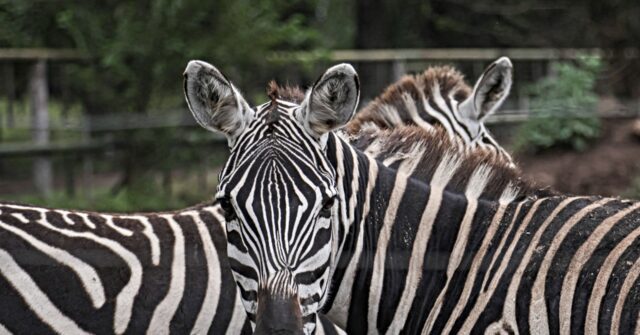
563, 109
137, 49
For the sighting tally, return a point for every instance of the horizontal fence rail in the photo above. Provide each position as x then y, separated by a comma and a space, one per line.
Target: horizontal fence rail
484, 54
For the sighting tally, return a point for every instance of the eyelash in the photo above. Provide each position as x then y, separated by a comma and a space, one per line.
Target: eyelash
227, 208
325, 211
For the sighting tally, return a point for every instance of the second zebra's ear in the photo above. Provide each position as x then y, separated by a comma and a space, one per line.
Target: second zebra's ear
332, 101
214, 102
490, 91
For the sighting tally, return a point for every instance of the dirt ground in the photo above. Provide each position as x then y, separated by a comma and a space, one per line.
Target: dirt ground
607, 168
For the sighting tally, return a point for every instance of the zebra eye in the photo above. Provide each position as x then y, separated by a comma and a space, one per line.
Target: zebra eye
325, 211
227, 208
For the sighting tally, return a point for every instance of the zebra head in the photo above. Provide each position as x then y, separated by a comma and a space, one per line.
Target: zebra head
278, 191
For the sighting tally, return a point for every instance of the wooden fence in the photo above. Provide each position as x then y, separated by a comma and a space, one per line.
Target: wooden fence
530, 64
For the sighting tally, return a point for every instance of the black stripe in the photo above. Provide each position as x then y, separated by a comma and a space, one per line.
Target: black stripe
577, 235
619, 274
398, 253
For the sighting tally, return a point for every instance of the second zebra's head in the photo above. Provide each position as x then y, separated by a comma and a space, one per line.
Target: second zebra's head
278, 190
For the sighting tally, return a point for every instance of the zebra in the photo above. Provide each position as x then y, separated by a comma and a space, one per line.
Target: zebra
439, 96
50, 233
314, 225
154, 273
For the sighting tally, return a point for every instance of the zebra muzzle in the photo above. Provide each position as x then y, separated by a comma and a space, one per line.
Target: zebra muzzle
278, 314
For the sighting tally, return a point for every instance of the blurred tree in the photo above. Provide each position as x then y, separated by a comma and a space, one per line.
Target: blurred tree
138, 48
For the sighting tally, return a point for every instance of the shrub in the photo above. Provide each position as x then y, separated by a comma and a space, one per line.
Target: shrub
563, 109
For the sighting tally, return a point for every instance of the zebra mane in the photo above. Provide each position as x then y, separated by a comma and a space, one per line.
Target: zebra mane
287, 93
371, 128
431, 146
391, 109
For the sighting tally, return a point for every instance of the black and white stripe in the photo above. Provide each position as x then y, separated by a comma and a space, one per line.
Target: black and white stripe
216, 287
76, 272
424, 259
71, 272
439, 97
413, 256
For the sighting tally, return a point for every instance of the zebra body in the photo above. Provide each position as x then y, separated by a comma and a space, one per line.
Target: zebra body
75, 272
406, 255
422, 259
70, 272
157, 274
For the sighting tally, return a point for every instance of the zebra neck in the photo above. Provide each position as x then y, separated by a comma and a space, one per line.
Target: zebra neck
393, 224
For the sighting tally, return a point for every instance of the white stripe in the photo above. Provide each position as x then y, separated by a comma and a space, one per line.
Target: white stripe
378, 271
509, 308
86, 220
124, 300
20, 217
154, 242
122, 231
35, 298
496, 222
627, 285
444, 172
439, 100
412, 110
87, 275
212, 295
441, 118
485, 296
477, 183
340, 308
538, 321
238, 318
581, 256
166, 309
4, 330
65, 216
600, 286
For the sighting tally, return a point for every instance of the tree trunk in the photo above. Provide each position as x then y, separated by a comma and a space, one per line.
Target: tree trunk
42, 169
11, 93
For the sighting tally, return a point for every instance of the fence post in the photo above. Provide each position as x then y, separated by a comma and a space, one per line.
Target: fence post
42, 168
11, 91
87, 159
399, 69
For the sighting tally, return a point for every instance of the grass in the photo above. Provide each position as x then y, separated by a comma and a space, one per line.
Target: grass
145, 195
634, 190
21, 131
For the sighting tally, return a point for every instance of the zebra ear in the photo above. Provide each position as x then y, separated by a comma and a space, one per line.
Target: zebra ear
490, 90
332, 101
214, 102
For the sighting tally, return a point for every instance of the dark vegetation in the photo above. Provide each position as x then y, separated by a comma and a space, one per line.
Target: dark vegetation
136, 51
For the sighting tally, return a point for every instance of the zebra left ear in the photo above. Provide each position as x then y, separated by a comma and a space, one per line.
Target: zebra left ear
490, 90
214, 102
332, 101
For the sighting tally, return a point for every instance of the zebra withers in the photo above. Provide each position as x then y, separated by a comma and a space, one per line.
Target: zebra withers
305, 208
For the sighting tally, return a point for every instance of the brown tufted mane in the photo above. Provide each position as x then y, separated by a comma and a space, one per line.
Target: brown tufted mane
414, 88
434, 144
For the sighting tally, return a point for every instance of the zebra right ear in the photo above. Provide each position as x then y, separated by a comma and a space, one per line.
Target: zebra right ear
490, 91
214, 102
332, 101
